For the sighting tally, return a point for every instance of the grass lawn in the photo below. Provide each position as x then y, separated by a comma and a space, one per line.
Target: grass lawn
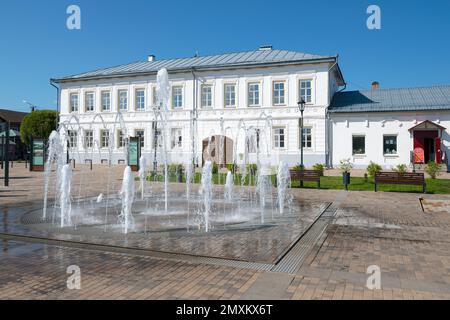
437, 186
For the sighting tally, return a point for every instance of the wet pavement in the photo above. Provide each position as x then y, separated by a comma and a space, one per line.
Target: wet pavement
389, 230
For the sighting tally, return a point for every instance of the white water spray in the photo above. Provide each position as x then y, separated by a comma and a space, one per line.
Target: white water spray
206, 192
283, 182
142, 174
64, 196
229, 184
127, 195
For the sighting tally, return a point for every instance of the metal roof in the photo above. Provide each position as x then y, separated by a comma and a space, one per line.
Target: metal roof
227, 60
389, 100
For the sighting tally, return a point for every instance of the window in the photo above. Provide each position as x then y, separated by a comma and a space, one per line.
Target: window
279, 138
88, 139
176, 138
230, 95
140, 99
305, 90
206, 96
123, 100
390, 144
359, 145
73, 139
279, 93
253, 94
89, 99
177, 97
106, 101
141, 134
307, 138
121, 139
74, 102
104, 138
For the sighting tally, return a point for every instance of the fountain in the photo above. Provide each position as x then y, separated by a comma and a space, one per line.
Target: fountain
229, 183
142, 174
127, 196
206, 193
283, 182
64, 196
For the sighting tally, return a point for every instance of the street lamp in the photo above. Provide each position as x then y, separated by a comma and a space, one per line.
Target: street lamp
33, 107
301, 108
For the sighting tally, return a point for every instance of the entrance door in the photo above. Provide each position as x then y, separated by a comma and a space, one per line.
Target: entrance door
430, 154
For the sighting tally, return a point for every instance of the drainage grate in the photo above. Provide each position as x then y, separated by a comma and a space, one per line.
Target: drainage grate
292, 261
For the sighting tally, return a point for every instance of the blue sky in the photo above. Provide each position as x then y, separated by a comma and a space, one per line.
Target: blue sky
411, 49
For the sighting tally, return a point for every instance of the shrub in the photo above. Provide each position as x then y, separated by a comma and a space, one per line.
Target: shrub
298, 167
373, 168
39, 123
175, 168
401, 168
345, 165
232, 167
252, 168
319, 167
432, 168
215, 168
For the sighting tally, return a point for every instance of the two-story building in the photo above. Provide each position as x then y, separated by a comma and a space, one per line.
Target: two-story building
255, 92
227, 93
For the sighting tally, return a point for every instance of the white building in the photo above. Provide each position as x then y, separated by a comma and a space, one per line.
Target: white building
228, 92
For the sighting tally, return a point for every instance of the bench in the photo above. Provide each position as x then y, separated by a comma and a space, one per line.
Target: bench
414, 179
306, 175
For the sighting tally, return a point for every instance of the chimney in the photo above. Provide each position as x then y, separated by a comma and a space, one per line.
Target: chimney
151, 58
375, 85
265, 48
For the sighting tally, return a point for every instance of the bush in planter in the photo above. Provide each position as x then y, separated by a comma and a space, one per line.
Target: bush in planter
401, 168
252, 168
432, 168
298, 167
232, 167
319, 167
373, 168
215, 168
345, 165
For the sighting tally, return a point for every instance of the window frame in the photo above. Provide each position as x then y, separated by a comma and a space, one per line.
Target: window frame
91, 144
234, 85
396, 145
353, 144
119, 99
101, 100
71, 105
142, 136
102, 145
174, 138
310, 128
73, 139
279, 147
311, 101
86, 94
138, 101
251, 95
202, 105
173, 95
121, 139
284, 93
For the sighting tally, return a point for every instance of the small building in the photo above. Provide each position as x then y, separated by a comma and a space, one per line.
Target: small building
17, 149
391, 126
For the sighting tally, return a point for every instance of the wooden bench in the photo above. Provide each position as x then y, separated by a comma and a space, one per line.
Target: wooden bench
414, 179
306, 175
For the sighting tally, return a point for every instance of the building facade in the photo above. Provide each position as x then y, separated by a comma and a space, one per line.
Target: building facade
228, 93
255, 93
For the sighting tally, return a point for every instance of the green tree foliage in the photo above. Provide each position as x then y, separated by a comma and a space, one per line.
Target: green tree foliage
39, 123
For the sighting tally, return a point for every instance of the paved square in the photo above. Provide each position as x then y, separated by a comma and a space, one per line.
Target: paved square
389, 230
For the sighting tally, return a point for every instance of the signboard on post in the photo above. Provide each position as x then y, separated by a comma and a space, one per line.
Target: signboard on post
134, 153
37, 154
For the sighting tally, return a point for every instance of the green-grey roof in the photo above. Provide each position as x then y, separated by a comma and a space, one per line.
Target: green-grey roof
227, 60
386, 100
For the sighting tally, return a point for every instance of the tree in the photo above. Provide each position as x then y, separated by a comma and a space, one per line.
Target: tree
39, 123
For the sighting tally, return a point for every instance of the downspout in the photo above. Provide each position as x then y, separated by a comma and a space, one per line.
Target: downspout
58, 93
194, 112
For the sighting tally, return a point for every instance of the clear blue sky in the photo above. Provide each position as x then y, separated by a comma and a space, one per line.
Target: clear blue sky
411, 49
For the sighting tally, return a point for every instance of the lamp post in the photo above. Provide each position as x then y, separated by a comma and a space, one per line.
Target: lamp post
301, 108
32, 106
